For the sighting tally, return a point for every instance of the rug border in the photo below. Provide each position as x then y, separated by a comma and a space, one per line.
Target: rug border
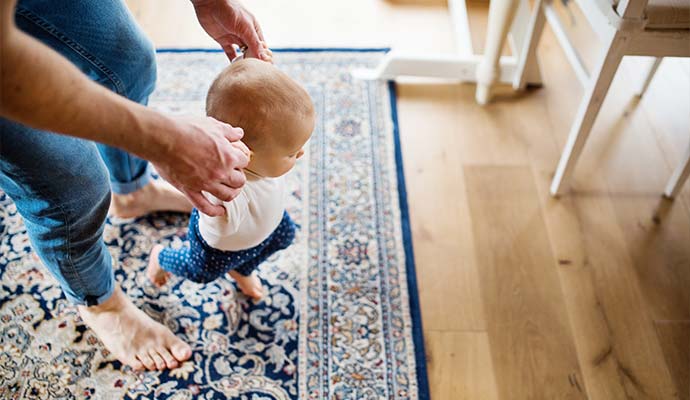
411, 271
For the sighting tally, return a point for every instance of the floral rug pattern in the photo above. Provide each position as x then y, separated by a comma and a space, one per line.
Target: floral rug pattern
336, 323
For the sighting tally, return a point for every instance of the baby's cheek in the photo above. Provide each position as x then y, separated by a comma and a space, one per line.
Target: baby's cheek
287, 166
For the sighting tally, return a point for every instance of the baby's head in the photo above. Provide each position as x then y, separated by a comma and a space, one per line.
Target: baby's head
276, 113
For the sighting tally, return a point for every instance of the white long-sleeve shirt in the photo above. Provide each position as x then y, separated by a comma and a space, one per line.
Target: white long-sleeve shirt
249, 219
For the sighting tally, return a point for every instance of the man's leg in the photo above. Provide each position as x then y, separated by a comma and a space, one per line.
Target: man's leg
60, 187
104, 41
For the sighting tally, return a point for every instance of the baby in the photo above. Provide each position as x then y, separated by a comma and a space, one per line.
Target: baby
277, 116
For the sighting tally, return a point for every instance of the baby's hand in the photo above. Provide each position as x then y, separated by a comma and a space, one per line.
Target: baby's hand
266, 53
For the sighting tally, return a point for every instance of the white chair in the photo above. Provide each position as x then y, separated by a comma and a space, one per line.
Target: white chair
679, 176
657, 28
508, 19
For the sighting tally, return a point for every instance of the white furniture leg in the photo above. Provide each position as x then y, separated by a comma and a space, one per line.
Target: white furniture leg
680, 175
464, 65
528, 68
501, 14
648, 78
595, 93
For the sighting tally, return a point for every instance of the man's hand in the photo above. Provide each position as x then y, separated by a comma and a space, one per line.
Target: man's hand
206, 155
267, 54
43, 90
230, 24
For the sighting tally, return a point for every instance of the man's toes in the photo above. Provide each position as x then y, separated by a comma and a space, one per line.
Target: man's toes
158, 360
147, 361
136, 365
181, 351
170, 361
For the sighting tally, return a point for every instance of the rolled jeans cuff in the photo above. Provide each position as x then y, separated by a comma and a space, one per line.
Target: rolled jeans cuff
134, 185
92, 300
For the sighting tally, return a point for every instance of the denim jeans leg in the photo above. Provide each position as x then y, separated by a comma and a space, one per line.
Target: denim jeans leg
104, 41
60, 187
60, 184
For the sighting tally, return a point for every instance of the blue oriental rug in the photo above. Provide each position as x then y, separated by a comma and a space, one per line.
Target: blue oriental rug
341, 320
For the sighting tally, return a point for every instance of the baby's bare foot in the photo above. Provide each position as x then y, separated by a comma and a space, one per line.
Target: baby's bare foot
132, 336
157, 195
157, 275
249, 285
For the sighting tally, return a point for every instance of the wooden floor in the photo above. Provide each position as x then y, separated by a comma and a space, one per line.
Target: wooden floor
523, 296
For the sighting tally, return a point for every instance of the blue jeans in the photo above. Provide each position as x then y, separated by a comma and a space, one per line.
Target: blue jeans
60, 184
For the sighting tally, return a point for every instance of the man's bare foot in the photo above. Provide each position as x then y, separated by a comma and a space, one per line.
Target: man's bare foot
157, 275
132, 336
249, 285
157, 195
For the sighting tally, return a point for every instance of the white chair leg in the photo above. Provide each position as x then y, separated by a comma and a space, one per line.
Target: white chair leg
501, 13
587, 113
680, 175
648, 77
528, 67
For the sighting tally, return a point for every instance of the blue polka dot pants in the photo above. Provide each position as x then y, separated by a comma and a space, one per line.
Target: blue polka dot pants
202, 263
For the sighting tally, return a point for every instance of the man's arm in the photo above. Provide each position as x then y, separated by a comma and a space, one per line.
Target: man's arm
41, 89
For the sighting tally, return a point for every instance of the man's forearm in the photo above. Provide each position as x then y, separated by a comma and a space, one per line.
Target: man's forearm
41, 89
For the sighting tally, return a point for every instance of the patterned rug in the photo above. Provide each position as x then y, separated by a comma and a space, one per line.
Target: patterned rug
341, 320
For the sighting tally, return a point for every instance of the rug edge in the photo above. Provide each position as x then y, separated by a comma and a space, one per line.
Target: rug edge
410, 268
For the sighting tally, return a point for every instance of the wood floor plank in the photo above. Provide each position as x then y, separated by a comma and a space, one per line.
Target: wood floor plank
444, 248
630, 345
675, 339
657, 237
482, 135
630, 156
619, 352
460, 366
532, 348
632, 171
667, 106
